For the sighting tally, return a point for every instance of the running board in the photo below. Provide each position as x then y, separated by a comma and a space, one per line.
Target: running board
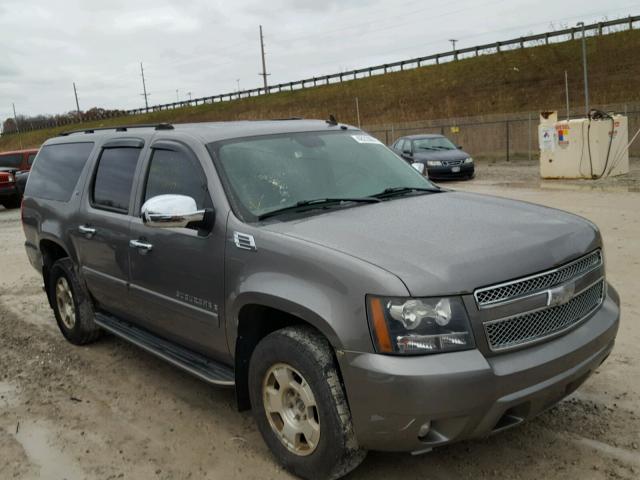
206, 369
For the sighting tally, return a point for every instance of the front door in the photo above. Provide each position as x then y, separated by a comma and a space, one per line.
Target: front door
176, 285
101, 239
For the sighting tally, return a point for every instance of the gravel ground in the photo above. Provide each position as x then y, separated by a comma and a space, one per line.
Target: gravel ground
111, 411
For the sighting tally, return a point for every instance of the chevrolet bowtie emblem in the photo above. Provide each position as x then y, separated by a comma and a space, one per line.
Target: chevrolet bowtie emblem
560, 295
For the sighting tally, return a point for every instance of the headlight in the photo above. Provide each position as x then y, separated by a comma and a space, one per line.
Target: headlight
11, 178
468, 160
434, 163
414, 326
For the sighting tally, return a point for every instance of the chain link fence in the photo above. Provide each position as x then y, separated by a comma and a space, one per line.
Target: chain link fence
508, 136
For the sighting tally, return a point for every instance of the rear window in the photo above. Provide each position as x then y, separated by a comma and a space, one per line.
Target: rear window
12, 160
55, 175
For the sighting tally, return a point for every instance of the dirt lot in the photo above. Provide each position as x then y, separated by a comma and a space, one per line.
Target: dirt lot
111, 411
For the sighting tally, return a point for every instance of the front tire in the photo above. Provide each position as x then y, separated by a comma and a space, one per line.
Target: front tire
12, 202
72, 304
300, 407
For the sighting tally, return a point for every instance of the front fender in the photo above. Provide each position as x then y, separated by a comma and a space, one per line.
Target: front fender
323, 287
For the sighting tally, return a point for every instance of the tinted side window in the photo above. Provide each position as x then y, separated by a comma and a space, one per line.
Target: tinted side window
31, 158
114, 178
55, 175
177, 173
13, 160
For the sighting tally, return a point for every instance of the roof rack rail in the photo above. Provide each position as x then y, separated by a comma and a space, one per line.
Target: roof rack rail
121, 128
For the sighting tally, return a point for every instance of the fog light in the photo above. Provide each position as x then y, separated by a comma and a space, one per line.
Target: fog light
424, 430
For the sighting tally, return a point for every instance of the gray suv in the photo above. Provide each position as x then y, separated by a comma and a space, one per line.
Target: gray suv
352, 304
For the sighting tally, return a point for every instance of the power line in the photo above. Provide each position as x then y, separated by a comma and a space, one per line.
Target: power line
144, 89
15, 120
264, 73
75, 93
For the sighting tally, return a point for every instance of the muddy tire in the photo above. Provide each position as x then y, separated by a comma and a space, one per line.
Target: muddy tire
72, 304
300, 406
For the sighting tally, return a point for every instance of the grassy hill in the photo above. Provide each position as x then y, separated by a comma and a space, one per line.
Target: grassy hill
530, 79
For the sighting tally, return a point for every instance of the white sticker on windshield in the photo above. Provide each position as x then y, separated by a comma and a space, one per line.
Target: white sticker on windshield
365, 139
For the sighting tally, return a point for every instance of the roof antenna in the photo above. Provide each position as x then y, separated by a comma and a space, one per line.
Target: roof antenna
332, 121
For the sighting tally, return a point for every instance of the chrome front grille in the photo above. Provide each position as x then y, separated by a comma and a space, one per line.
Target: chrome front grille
531, 327
450, 163
518, 288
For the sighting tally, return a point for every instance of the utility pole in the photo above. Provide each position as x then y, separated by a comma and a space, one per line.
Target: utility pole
584, 68
177, 96
75, 92
144, 89
453, 47
189, 93
566, 91
15, 120
358, 111
264, 73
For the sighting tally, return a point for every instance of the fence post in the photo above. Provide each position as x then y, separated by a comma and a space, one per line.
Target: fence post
507, 127
529, 130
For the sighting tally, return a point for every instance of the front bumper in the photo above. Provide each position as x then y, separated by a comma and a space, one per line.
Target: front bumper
465, 395
467, 170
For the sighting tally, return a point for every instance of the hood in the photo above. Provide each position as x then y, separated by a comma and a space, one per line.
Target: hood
452, 242
440, 155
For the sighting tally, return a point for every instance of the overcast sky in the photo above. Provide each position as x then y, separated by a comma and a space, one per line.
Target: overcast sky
203, 46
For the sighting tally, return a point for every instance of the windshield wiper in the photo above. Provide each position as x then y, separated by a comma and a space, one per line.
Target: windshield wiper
317, 203
397, 191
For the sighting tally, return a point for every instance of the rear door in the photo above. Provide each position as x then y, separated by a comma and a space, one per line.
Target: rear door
101, 237
177, 286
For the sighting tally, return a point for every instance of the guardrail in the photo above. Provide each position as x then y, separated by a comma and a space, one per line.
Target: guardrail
417, 62
520, 42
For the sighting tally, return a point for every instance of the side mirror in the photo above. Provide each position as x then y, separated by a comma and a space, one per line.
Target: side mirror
419, 167
171, 211
407, 153
459, 147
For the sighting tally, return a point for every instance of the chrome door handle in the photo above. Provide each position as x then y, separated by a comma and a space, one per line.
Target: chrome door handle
87, 231
141, 245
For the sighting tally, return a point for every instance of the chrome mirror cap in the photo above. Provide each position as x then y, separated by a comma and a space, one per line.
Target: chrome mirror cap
171, 211
418, 166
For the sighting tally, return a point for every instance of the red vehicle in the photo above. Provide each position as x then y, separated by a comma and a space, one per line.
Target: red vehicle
11, 164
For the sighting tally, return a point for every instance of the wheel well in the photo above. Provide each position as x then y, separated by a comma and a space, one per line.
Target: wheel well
254, 323
51, 253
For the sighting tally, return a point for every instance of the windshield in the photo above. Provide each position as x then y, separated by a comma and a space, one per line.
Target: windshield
273, 172
434, 143
11, 160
